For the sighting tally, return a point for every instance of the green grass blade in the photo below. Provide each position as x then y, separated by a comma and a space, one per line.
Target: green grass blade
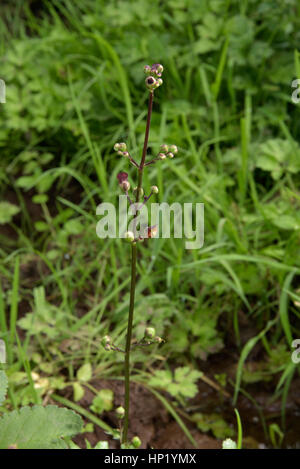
283, 308
14, 309
240, 429
174, 414
244, 354
217, 83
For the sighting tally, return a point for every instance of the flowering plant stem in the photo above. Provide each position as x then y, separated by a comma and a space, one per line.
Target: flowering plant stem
133, 278
152, 81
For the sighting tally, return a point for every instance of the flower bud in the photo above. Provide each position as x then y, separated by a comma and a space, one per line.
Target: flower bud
150, 332
159, 82
228, 444
120, 411
122, 177
129, 236
125, 153
147, 69
173, 149
159, 340
157, 69
141, 191
116, 146
105, 340
125, 186
154, 189
164, 148
136, 442
170, 154
122, 146
161, 156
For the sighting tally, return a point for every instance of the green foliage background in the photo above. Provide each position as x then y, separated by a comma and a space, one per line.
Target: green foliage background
75, 86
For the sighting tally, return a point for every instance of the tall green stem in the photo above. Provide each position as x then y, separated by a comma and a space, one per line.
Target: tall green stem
128, 341
133, 279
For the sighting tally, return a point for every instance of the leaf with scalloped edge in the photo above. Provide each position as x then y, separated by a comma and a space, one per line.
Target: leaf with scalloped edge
38, 427
182, 383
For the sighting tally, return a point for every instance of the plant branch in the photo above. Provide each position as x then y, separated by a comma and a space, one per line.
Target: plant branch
152, 161
133, 278
133, 161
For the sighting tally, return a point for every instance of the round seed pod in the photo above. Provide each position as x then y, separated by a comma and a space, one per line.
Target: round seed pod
164, 148
122, 146
158, 339
125, 186
141, 191
159, 69
150, 332
136, 442
120, 411
105, 340
173, 149
129, 236
161, 156
150, 83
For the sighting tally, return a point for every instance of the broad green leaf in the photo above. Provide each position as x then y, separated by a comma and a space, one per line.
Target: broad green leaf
40, 198
38, 427
7, 212
283, 214
183, 383
214, 423
73, 227
41, 226
103, 401
78, 392
85, 372
278, 156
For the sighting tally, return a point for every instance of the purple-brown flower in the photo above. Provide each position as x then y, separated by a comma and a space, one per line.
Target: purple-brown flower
157, 69
122, 177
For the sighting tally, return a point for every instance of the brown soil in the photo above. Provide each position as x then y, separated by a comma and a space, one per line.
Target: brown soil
157, 429
148, 419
